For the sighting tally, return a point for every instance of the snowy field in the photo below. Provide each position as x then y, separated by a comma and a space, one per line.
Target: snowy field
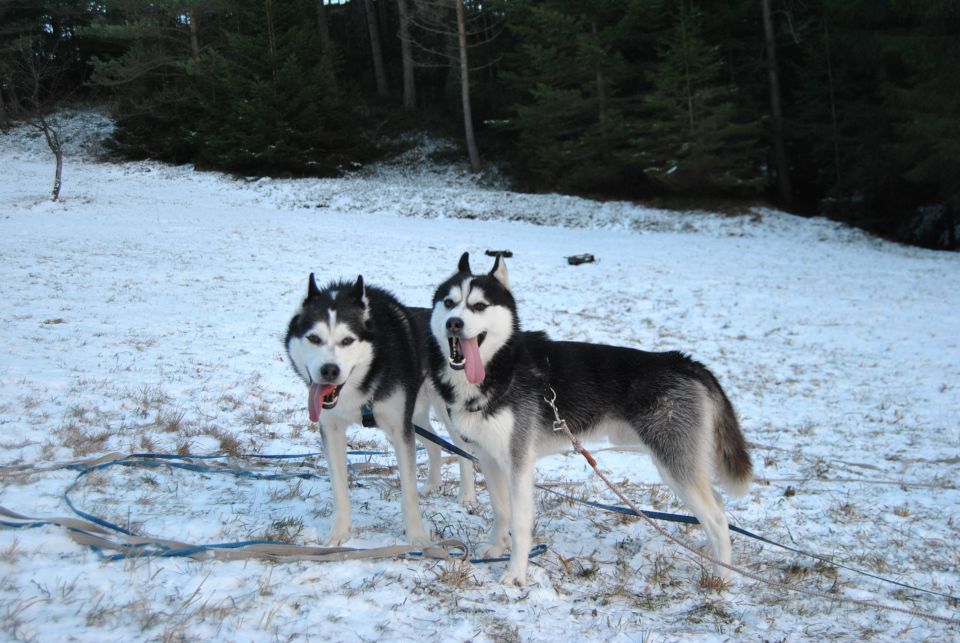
144, 312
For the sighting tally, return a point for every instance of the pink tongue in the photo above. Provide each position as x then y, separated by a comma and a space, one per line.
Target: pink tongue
474, 365
315, 399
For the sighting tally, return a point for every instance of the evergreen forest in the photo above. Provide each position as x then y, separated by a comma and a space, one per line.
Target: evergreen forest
843, 108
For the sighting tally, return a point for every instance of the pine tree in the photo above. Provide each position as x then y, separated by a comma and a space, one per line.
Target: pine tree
876, 106
926, 105
693, 136
154, 49
255, 92
271, 101
576, 71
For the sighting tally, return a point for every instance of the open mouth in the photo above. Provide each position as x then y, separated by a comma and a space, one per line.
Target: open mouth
331, 395
457, 358
322, 396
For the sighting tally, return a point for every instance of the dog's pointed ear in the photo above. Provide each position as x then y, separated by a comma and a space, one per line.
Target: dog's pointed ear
312, 290
464, 265
360, 295
360, 291
499, 272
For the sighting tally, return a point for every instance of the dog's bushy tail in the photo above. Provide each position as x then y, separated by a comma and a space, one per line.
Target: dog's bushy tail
736, 469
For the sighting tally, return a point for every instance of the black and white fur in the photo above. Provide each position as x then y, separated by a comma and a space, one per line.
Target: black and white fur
666, 403
362, 341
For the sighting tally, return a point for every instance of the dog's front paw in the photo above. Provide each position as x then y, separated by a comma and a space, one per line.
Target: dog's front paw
491, 550
468, 499
418, 538
428, 488
514, 578
337, 537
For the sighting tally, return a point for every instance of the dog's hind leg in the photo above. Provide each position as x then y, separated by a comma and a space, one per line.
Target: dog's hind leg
702, 501
422, 419
335, 448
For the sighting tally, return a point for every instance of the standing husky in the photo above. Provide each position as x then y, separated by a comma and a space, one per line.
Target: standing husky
356, 345
494, 378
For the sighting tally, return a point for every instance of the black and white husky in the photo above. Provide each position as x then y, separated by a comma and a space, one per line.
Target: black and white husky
494, 378
356, 345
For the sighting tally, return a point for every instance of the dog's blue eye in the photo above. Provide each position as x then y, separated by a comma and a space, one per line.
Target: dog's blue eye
314, 339
346, 341
449, 303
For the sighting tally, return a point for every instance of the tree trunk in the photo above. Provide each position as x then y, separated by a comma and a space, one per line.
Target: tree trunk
685, 34
409, 86
271, 39
835, 131
465, 89
780, 154
951, 226
13, 103
601, 89
52, 134
375, 50
194, 34
58, 174
322, 25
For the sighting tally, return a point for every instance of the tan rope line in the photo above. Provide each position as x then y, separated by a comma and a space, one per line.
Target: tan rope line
85, 533
561, 425
90, 534
30, 469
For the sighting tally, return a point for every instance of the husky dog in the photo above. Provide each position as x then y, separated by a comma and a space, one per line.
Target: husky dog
356, 345
494, 377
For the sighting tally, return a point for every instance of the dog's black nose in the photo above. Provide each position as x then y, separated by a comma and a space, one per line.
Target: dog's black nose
454, 325
330, 372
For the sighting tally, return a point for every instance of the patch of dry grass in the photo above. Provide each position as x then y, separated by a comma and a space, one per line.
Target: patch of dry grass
456, 574
12, 552
285, 530
229, 444
258, 415
170, 420
83, 440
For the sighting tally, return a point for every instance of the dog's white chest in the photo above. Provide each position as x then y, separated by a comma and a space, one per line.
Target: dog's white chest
492, 433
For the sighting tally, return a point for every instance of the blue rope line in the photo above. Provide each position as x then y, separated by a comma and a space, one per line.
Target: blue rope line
24, 525
449, 446
160, 550
172, 460
692, 520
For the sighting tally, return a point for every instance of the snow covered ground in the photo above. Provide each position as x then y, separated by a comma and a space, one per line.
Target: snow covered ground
144, 312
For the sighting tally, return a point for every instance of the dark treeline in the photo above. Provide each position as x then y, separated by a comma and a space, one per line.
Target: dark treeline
849, 108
